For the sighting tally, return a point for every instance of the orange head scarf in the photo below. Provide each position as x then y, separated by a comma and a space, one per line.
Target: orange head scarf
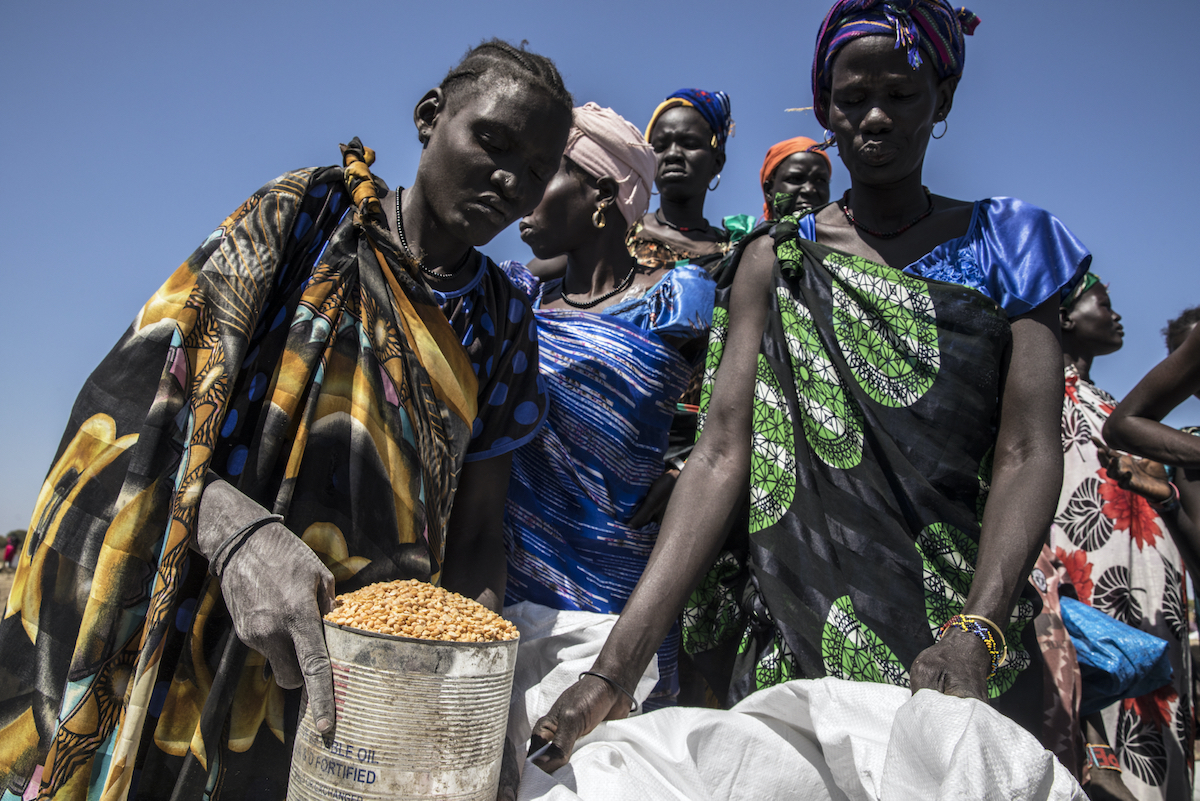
778, 152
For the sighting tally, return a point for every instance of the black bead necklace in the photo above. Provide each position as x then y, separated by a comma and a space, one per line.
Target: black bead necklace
432, 273
682, 229
626, 282
845, 204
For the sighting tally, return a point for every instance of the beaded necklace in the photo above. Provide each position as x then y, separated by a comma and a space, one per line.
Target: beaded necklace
845, 205
682, 229
626, 282
432, 273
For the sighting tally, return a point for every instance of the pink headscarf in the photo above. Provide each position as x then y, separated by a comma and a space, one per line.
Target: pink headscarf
606, 145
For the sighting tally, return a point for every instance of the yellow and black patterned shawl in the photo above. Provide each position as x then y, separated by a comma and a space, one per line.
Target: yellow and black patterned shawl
294, 355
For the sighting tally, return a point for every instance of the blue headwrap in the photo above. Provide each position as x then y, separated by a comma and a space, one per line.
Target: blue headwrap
929, 26
714, 107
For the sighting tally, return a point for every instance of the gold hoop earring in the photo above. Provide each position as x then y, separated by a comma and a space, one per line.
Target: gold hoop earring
946, 128
598, 217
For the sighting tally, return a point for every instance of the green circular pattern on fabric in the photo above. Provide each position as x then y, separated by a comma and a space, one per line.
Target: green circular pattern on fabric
852, 651
772, 452
776, 664
833, 423
948, 566
718, 333
886, 326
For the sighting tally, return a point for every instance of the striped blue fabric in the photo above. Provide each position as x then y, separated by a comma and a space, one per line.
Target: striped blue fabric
613, 382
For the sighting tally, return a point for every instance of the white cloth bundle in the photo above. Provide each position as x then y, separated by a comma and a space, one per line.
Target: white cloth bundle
813, 740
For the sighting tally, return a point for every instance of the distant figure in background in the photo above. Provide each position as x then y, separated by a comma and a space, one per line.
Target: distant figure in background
1176, 487
1121, 560
794, 176
11, 547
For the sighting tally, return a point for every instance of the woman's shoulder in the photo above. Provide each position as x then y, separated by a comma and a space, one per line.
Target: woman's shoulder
1016, 253
680, 300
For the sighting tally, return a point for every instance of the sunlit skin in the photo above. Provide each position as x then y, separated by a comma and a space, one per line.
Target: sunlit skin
489, 152
805, 175
686, 163
596, 258
882, 113
1136, 424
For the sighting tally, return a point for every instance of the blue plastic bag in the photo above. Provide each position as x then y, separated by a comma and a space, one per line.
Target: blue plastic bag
1116, 660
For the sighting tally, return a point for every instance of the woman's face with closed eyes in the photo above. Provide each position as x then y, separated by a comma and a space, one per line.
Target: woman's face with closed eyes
489, 154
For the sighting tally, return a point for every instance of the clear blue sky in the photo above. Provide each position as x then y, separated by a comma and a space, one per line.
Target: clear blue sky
130, 129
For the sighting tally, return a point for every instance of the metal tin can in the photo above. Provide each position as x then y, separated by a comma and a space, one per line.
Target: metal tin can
415, 719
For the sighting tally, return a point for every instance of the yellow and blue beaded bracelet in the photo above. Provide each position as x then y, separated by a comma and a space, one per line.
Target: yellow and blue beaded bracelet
984, 629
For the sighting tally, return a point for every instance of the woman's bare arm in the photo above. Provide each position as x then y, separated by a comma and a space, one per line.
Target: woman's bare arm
476, 563
701, 512
1026, 479
1134, 425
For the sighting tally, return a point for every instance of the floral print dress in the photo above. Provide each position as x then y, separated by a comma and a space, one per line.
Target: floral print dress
1122, 561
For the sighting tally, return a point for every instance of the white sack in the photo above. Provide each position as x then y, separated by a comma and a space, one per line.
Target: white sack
555, 648
826, 739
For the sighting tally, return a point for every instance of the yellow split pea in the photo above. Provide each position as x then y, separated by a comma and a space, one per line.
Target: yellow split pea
422, 611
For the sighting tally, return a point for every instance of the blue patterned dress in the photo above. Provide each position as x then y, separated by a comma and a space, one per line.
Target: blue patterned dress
614, 379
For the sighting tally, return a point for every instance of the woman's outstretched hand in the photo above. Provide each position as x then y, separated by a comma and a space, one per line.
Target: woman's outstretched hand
583, 706
1146, 477
957, 665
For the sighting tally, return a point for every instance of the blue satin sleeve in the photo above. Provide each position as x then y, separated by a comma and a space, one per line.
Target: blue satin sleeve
681, 304
1017, 254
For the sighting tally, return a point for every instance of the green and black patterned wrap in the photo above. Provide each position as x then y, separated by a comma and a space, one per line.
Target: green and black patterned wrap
875, 417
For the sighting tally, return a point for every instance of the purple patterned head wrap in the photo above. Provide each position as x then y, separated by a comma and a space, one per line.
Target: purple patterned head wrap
929, 26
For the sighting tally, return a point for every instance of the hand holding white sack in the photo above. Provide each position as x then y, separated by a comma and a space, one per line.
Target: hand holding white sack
819, 740
276, 590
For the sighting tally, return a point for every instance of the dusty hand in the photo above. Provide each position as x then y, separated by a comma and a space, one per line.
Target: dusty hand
655, 502
956, 665
583, 706
1146, 477
277, 590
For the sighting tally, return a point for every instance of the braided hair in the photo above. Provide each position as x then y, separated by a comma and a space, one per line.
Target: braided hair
496, 60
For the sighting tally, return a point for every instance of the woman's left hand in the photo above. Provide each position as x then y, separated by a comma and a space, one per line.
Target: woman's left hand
1146, 477
957, 665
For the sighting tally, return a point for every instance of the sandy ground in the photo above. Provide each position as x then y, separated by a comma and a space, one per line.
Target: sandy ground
6, 580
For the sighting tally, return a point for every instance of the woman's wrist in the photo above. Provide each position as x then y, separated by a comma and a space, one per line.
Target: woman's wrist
1170, 503
618, 689
983, 631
